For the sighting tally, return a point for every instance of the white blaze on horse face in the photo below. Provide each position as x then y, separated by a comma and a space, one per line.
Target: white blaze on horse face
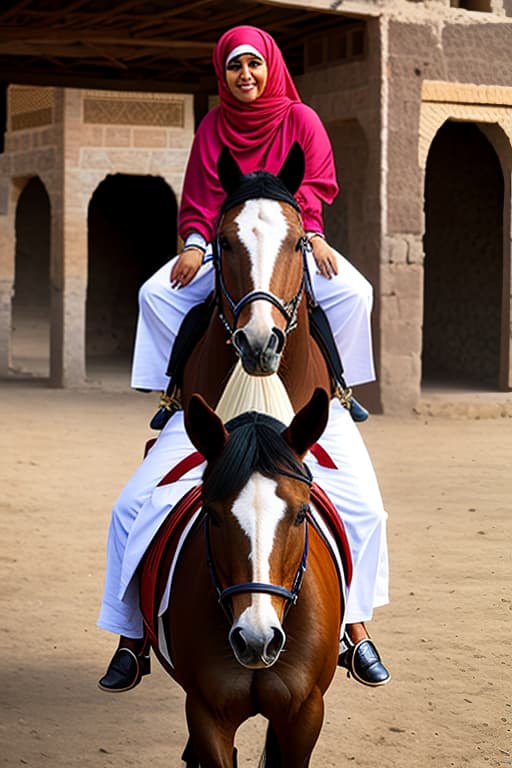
258, 510
262, 228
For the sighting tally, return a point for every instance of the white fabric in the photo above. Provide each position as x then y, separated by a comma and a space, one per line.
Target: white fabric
346, 299
142, 507
241, 49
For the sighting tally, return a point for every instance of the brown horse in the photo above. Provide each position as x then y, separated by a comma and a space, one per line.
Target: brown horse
256, 496
261, 287
249, 554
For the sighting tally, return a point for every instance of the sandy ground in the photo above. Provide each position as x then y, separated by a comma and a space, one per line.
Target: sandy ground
446, 634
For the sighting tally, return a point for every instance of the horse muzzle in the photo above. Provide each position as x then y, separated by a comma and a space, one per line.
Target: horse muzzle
259, 357
256, 651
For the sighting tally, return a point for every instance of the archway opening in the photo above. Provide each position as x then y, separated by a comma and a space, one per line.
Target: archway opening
30, 347
462, 316
132, 231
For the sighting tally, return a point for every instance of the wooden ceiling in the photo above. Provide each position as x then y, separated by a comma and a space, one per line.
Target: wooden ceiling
138, 44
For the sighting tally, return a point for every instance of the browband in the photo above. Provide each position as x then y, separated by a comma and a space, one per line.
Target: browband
259, 184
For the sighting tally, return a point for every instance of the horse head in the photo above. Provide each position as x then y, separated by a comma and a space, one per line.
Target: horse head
256, 493
260, 259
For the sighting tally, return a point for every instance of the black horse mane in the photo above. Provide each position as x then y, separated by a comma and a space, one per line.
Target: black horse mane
255, 444
259, 184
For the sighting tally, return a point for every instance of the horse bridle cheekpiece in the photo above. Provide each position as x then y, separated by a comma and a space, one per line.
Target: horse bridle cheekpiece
259, 185
224, 594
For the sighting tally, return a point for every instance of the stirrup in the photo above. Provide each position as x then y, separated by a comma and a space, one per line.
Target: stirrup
348, 401
168, 405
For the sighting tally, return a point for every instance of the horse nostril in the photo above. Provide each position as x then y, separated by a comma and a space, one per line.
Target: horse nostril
240, 341
277, 340
237, 641
275, 646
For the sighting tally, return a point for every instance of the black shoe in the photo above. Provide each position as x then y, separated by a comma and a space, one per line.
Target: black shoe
363, 663
168, 405
357, 411
124, 671
160, 418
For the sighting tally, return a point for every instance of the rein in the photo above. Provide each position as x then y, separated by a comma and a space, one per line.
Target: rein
224, 594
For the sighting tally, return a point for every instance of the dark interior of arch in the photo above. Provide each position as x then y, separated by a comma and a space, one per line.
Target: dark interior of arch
131, 233
463, 259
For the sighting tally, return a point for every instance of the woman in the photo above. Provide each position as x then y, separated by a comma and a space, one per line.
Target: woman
259, 118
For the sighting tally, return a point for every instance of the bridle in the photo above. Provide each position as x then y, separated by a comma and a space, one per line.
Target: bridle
224, 594
289, 309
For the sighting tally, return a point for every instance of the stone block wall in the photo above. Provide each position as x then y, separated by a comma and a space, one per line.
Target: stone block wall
72, 139
449, 55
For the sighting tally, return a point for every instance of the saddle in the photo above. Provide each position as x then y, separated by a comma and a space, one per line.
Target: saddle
159, 563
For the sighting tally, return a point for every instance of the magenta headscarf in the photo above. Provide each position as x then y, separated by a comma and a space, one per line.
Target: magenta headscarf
259, 135
251, 127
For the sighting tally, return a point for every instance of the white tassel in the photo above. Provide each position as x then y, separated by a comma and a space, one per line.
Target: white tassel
265, 394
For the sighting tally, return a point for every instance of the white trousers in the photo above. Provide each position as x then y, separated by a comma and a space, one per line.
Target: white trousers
142, 507
346, 299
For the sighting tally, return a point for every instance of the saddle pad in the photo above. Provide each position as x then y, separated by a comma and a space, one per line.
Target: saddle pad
161, 553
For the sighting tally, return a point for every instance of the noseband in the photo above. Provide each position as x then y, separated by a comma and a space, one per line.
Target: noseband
224, 594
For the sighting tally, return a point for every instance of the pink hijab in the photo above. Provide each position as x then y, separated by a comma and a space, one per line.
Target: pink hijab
250, 128
259, 135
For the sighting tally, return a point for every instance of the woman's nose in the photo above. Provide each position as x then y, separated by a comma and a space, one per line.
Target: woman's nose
245, 72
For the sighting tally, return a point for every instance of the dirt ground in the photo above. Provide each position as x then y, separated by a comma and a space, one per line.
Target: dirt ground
446, 634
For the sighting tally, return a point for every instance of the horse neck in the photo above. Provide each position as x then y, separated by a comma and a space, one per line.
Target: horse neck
209, 365
303, 367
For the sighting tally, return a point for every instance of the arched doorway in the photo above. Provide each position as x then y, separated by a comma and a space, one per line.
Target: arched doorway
462, 316
131, 233
30, 347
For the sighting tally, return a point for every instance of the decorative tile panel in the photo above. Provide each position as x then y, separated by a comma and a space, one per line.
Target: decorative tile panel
115, 108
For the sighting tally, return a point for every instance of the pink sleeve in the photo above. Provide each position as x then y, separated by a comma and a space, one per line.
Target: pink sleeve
319, 185
202, 193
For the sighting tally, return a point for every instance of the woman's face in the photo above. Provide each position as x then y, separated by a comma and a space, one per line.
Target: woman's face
246, 77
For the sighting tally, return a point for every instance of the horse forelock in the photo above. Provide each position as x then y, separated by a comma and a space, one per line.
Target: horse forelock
262, 185
255, 445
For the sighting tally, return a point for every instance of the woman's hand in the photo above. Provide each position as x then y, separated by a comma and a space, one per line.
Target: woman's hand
186, 266
325, 257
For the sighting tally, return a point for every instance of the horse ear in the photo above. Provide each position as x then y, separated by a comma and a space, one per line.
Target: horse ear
292, 172
204, 428
230, 175
308, 424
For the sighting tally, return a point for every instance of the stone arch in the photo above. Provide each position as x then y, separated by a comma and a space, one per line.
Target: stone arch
464, 259
31, 304
132, 231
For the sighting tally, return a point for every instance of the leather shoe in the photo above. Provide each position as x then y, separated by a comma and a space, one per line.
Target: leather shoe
364, 664
124, 671
357, 411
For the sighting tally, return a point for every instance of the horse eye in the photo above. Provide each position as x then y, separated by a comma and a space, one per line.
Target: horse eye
301, 516
224, 244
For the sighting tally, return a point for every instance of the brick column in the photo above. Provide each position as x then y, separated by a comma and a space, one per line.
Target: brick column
68, 258
8, 197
